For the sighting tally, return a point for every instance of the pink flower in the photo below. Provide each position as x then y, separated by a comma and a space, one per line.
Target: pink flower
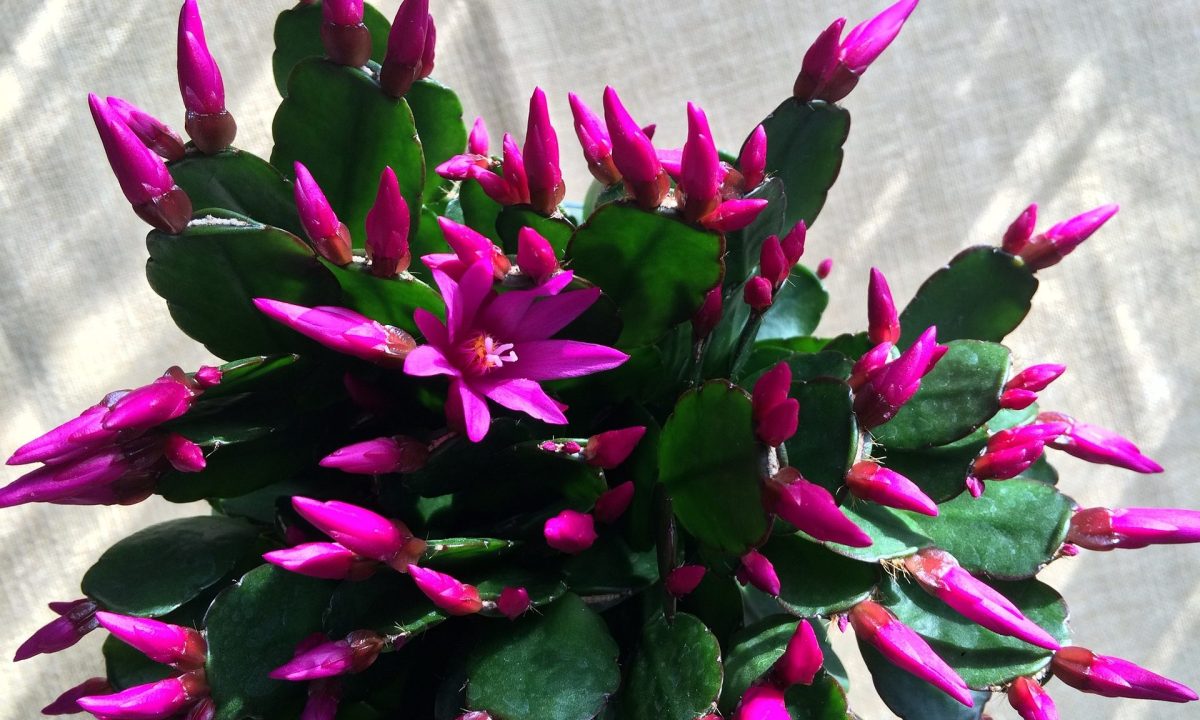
762, 702
153, 133
570, 531
824, 268
342, 330
594, 139
75, 619
387, 228
633, 154
380, 456
1097, 445
1047, 249
1020, 231
700, 170
889, 387
153, 701
498, 347
1088, 672
410, 48
162, 642
758, 571
535, 256
776, 416
478, 140
546, 188
708, 314
343, 12
330, 236
68, 702
209, 124
812, 509
329, 561
801, 660
362, 531
455, 597
752, 161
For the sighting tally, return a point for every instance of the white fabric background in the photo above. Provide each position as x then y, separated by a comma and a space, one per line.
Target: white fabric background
980, 108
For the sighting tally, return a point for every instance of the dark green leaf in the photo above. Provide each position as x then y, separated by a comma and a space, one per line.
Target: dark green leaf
557, 229
895, 533
339, 123
956, 397
717, 602
676, 674
1042, 471
814, 580
454, 549
241, 182
561, 664
823, 700
298, 36
210, 274
248, 373
797, 308
656, 268
438, 114
253, 628
1023, 522
983, 294
610, 571
127, 667
709, 462
158, 569
387, 602
745, 245
826, 442
911, 698
804, 151
390, 301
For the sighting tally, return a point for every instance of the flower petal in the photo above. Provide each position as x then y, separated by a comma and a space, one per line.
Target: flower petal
474, 287
432, 328
427, 360
528, 397
552, 314
474, 410
555, 359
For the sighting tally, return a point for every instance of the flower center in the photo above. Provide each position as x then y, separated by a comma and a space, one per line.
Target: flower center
485, 353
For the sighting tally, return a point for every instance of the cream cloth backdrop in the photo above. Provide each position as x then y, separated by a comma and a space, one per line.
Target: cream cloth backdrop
977, 110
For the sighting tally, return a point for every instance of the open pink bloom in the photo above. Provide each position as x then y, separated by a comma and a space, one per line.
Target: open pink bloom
758, 571
613, 503
68, 702
889, 387
883, 322
812, 509
1086, 671
513, 602
613, 447
832, 67
1100, 528
752, 161
342, 330
871, 481
1097, 445
802, 659
939, 574
456, 598
75, 619
162, 642
410, 48
594, 139
1043, 251
362, 531
1017, 236
498, 347
329, 561
762, 702
154, 133
380, 456
354, 653
153, 701
684, 579
570, 531
878, 627
1031, 701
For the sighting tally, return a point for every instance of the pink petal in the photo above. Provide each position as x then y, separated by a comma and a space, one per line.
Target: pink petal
557, 359
432, 328
427, 360
528, 397
553, 314
474, 410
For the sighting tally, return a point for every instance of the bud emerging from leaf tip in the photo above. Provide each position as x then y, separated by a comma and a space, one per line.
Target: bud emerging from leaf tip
772, 263
793, 243
613, 503
700, 172
1020, 231
824, 268
387, 226
329, 236
380, 456
758, 571
410, 48
1088, 672
776, 416
478, 139
1100, 528
884, 323
546, 188
329, 561
360, 530
820, 68
891, 386
1052, 246
733, 215
871, 481
75, 620
570, 532
812, 509
153, 133
1096, 444
513, 602
594, 139
1030, 700
611, 448
634, 155
343, 330
535, 255
708, 314
455, 597
802, 659
162, 400
752, 161
354, 653
758, 293
1035, 377
684, 579
209, 124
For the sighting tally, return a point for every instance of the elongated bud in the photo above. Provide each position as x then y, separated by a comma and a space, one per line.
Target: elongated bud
153, 133
824, 268
1017, 236
183, 454
867, 41
1017, 399
776, 416
708, 314
758, 294
161, 642
407, 54
802, 659
209, 124
535, 255
153, 701
362, 531
1035, 378
329, 561
1030, 701
772, 263
107, 476
346, 39
609, 449
940, 575
396, 454
67, 440
594, 139
700, 172
515, 174
546, 188
1100, 528
812, 509
469, 247
758, 571
570, 532
883, 322
634, 155
68, 702
820, 68
343, 330
762, 702
354, 653
752, 161
1098, 445
513, 602
144, 178
733, 215
871, 481
162, 400
888, 388
330, 237
450, 595
1088, 672
75, 620
1010, 452
876, 626
387, 229
684, 579
478, 139
793, 243
613, 503
1052, 246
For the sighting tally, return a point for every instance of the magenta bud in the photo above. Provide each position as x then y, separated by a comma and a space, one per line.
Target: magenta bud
776, 416
478, 139
161, 642
1017, 399
513, 602
68, 702
1010, 452
209, 124
183, 454
793, 243
633, 154
871, 481
824, 268
328, 561
387, 228
889, 387
802, 659
207, 376
570, 532
772, 263
343, 330
752, 161
1100, 528
67, 440
75, 620
820, 65
546, 188
613, 503
475, 715
812, 509
940, 575
867, 41
535, 255
397, 454
153, 701
700, 171
876, 626
328, 235
1088, 672
758, 571
1052, 246
162, 400
1031, 701
611, 448
571, 447
360, 530
1035, 377
758, 294
515, 175
594, 139
343, 12
762, 702
354, 653
684, 579
1020, 231
734, 215
206, 709
448, 594
99, 477
708, 314
470, 247
1098, 445
407, 51
153, 133
883, 322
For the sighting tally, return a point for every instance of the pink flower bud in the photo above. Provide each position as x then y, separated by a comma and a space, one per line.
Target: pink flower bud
611, 448
535, 255
515, 175
1030, 701
153, 133
1020, 231
772, 263
68, 702
450, 595
700, 172
469, 247
633, 154
1035, 377
546, 188
865, 366
882, 319
154, 404
613, 503
328, 561
153, 701
67, 440
354, 653
762, 702
824, 268
684, 579
1010, 452
733, 215
708, 314
752, 162
1098, 445
161, 642
1100, 528
75, 620
594, 139
793, 243
387, 228
329, 235
758, 571
940, 575
478, 140
820, 66
871, 481
407, 52
397, 454
888, 388
1052, 246
812, 509
1088, 672
776, 416
362, 531
867, 41
1017, 399
343, 12
570, 531
876, 626
513, 602
571, 447
802, 659
343, 330
209, 124
474, 715
324, 696
758, 294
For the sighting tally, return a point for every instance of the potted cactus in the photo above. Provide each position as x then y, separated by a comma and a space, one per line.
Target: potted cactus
476, 452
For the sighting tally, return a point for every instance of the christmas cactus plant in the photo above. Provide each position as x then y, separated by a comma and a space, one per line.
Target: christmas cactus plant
479, 453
